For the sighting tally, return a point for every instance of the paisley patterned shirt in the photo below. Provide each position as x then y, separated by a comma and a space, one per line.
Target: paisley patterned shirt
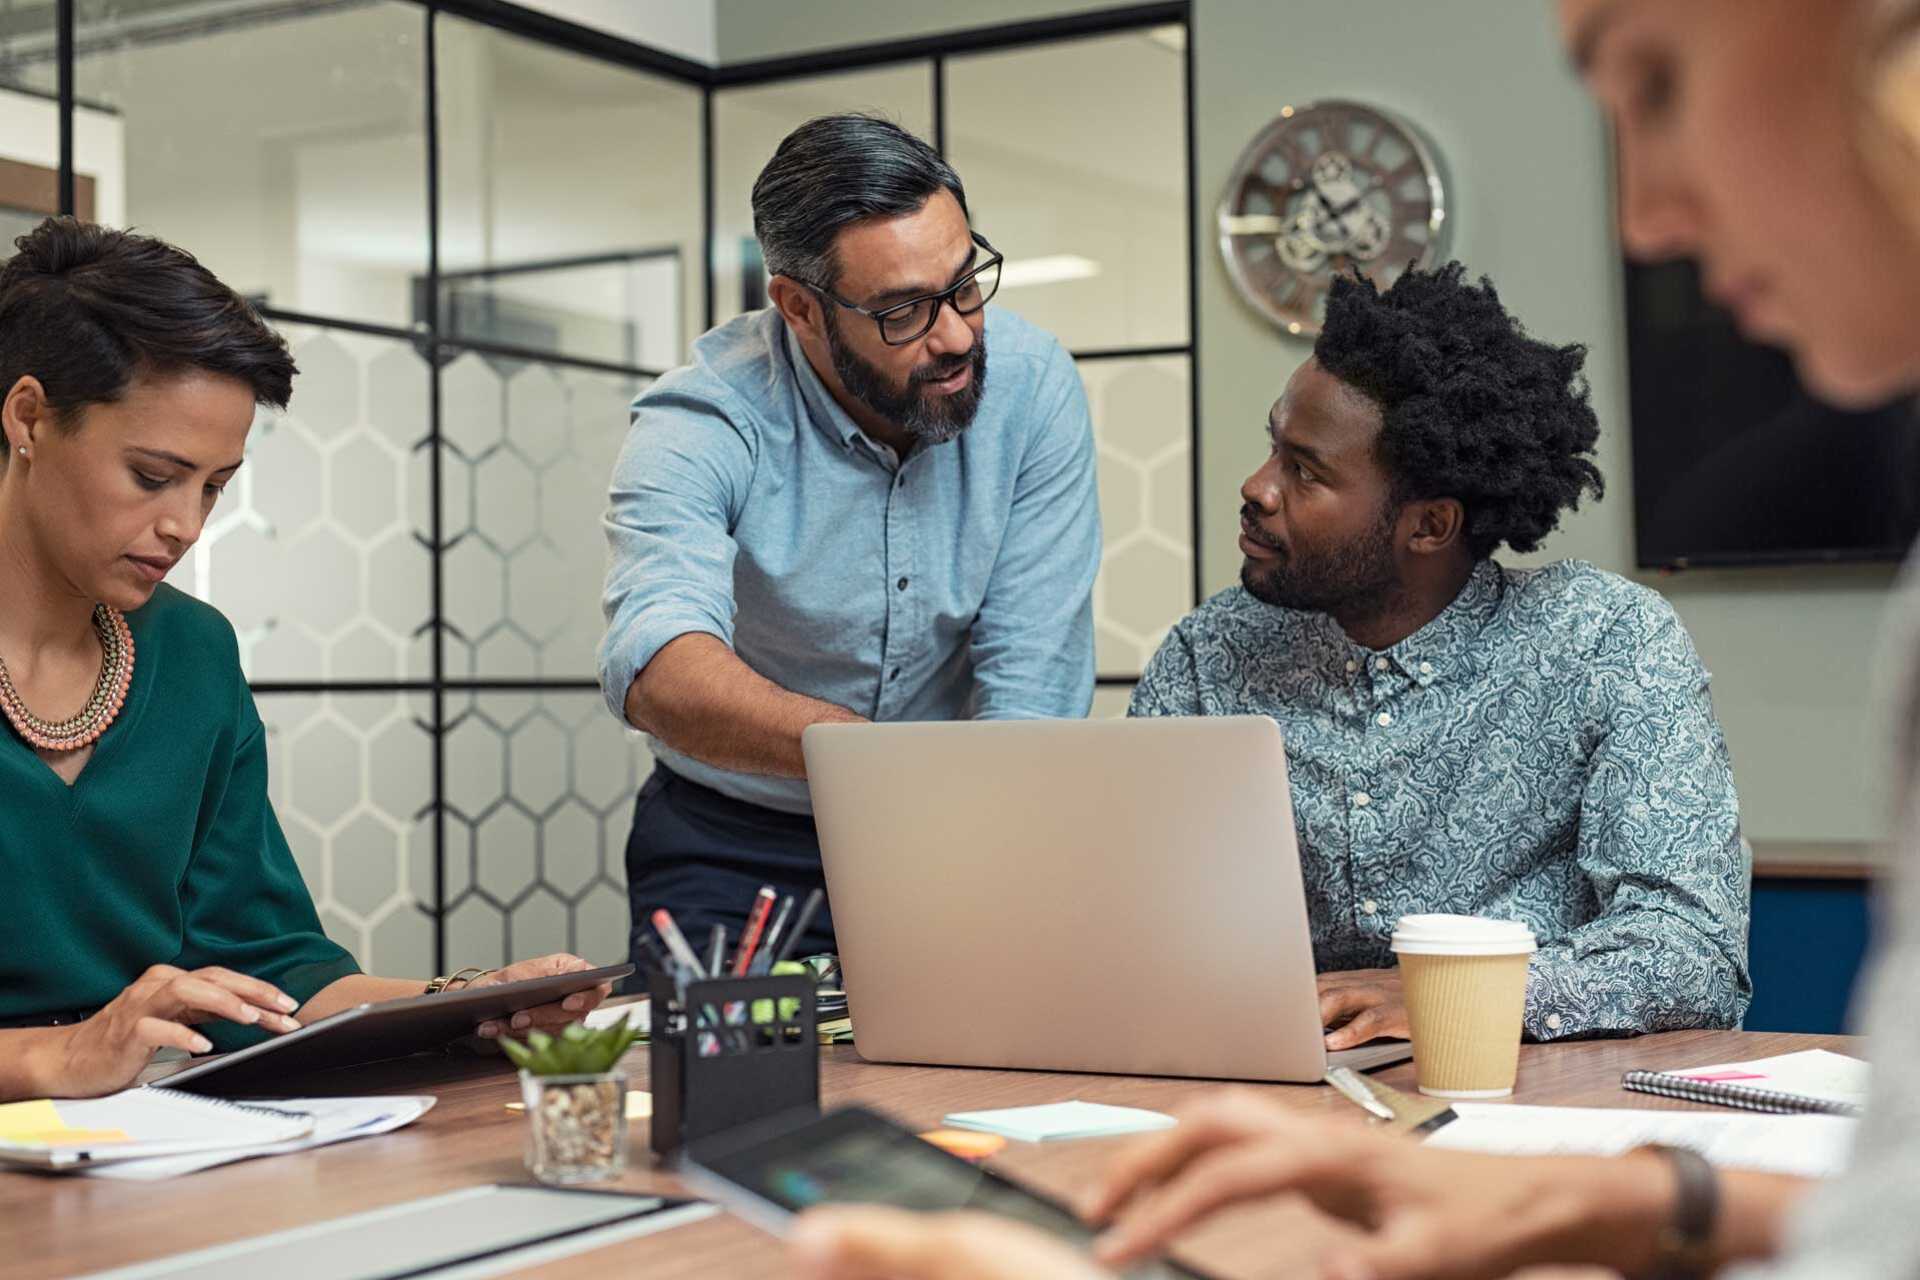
1544, 750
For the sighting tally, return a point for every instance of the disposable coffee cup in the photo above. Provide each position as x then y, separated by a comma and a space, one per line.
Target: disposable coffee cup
1465, 981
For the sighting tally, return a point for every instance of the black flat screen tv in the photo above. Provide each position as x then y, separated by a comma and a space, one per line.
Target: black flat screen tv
1735, 463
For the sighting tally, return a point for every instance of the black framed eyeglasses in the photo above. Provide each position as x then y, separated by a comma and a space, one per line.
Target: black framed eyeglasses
908, 321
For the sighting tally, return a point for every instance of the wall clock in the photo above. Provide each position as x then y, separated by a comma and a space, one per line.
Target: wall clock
1323, 190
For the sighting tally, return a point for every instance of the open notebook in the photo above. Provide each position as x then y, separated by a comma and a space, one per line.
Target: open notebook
72, 1134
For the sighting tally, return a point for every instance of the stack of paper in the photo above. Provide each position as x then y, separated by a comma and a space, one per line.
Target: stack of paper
333, 1120
1061, 1120
1811, 1146
149, 1133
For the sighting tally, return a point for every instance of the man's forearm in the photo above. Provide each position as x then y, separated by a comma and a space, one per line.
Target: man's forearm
699, 698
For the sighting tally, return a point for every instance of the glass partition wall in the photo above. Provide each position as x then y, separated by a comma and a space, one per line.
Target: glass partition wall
483, 231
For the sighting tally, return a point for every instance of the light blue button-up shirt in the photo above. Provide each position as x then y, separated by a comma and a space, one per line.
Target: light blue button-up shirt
1545, 750
747, 505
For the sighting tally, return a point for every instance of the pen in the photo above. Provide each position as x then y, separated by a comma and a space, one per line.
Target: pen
716, 948
1356, 1091
677, 942
800, 923
764, 960
755, 926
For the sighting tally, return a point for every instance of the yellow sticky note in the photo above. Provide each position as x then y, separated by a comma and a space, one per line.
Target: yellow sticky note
29, 1121
74, 1137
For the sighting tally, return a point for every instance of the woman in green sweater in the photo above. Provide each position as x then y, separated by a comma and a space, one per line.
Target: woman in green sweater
150, 898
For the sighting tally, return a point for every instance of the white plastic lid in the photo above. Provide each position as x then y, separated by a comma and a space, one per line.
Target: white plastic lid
1442, 935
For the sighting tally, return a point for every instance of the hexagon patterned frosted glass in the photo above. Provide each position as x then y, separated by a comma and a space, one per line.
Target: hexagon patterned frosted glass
316, 552
1142, 418
351, 778
529, 451
540, 791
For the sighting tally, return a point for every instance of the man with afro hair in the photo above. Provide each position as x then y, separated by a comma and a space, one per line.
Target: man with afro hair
1534, 745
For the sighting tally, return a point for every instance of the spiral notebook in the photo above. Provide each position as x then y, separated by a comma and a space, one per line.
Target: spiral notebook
67, 1134
1812, 1080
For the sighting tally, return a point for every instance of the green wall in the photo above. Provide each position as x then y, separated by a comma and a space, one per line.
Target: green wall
1791, 650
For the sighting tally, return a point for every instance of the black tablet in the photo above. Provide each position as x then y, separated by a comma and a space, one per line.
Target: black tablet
376, 1032
768, 1172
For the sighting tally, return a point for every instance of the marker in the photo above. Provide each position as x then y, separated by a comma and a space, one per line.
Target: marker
677, 942
807, 911
764, 960
716, 948
756, 925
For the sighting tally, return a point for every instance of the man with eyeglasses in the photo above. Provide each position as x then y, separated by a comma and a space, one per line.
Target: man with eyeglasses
873, 500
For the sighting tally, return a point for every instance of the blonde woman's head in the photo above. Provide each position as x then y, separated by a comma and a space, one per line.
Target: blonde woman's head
1773, 141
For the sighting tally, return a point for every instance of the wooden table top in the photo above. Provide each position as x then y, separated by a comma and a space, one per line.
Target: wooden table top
67, 1225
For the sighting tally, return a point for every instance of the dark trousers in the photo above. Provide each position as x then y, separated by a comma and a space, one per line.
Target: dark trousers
703, 856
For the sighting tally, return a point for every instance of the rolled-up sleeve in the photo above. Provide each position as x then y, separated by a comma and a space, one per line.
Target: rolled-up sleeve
676, 495
1659, 846
1032, 645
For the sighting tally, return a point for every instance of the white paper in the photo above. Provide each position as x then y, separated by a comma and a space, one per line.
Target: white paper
334, 1120
1811, 1073
608, 1015
1812, 1146
1061, 1120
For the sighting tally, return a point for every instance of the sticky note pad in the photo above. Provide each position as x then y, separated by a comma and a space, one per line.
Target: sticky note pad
1061, 1120
29, 1121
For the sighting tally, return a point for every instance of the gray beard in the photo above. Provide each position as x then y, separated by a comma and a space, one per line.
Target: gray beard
928, 419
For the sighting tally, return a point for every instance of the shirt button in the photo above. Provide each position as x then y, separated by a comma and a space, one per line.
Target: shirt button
1361, 799
894, 674
1426, 668
1352, 666
1381, 664
1369, 906
1553, 1022
902, 584
1383, 719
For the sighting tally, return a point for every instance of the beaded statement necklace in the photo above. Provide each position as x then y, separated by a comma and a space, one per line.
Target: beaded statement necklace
109, 692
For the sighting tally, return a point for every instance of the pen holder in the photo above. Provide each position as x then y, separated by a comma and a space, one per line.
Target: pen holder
728, 1051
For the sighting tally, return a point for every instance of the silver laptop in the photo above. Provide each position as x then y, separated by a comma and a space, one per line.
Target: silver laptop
1072, 895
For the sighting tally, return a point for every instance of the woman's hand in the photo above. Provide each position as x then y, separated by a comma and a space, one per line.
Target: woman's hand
871, 1242
546, 1017
157, 1011
1444, 1215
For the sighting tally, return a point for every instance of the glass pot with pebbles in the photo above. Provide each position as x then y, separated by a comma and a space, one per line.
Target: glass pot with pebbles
576, 1101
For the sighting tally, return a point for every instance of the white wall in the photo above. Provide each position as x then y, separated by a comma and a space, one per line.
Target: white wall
685, 27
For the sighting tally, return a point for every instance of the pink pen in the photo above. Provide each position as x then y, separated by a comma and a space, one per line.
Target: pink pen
756, 925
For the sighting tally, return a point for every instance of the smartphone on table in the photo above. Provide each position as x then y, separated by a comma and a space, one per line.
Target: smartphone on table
770, 1171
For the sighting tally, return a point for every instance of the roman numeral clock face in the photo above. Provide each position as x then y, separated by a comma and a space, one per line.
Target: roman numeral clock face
1324, 190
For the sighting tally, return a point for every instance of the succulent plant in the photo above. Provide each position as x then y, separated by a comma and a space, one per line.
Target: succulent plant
576, 1051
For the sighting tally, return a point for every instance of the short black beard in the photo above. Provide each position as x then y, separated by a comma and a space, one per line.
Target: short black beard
1357, 581
928, 419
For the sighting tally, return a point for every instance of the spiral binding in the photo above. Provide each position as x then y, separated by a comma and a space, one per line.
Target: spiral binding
1724, 1093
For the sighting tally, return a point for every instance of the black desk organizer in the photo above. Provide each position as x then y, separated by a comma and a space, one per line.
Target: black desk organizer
714, 1066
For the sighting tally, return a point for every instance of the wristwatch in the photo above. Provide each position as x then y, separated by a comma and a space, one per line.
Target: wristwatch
465, 977
1685, 1244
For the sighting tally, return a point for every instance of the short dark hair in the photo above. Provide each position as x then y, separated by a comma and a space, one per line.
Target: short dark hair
86, 309
1471, 407
834, 171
